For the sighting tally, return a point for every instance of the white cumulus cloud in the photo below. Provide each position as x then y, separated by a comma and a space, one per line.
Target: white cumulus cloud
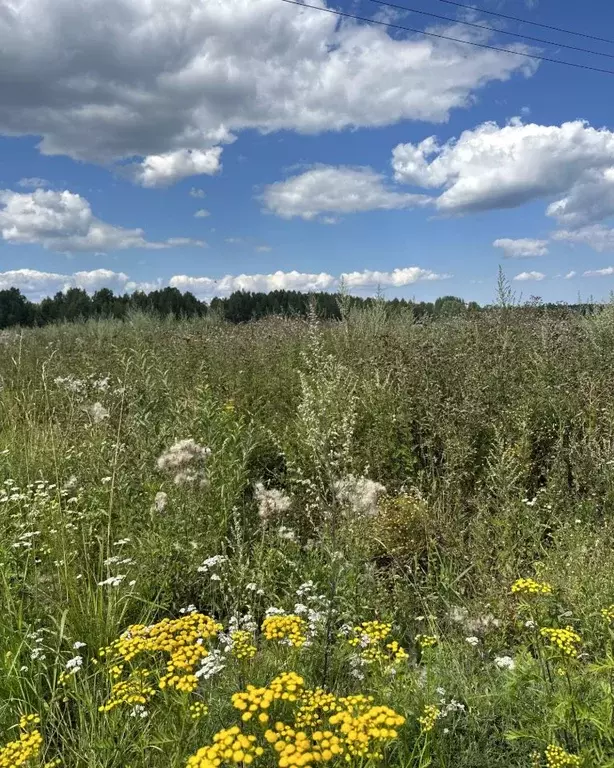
302, 281
64, 222
521, 248
397, 278
294, 281
171, 80
523, 276
330, 189
597, 236
492, 167
36, 284
605, 272
202, 213
166, 169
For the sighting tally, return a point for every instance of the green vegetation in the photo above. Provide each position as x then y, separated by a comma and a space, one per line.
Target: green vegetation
75, 304
420, 513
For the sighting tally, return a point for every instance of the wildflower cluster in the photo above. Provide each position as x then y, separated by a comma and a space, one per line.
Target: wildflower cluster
135, 691
271, 502
323, 727
286, 686
229, 746
360, 494
290, 629
608, 613
370, 638
242, 646
566, 640
185, 461
198, 710
426, 641
315, 706
531, 587
183, 639
428, 718
295, 747
24, 749
557, 757
366, 728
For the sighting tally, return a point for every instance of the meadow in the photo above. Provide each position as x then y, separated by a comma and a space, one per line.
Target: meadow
368, 542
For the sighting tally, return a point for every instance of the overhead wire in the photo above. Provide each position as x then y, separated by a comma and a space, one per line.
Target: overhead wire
490, 29
527, 21
379, 22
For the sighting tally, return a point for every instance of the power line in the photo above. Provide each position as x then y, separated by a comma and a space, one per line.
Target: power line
490, 29
447, 37
526, 21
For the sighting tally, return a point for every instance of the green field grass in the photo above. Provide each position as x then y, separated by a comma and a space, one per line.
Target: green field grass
336, 514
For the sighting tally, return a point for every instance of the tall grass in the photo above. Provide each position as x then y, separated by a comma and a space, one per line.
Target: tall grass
493, 437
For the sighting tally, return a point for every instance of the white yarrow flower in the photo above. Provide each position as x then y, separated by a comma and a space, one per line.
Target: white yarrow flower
112, 581
75, 663
505, 662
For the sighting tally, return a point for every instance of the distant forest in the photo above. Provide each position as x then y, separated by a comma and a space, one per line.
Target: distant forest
76, 304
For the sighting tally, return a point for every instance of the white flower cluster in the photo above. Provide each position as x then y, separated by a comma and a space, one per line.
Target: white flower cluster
211, 665
212, 562
479, 625
271, 502
186, 462
315, 610
97, 412
505, 662
69, 383
286, 534
112, 581
37, 637
360, 494
74, 665
160, 502
245, 622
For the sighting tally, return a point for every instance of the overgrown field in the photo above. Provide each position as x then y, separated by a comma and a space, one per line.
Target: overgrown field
286, 543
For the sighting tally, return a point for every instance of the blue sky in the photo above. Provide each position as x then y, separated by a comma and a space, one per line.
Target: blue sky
305, 144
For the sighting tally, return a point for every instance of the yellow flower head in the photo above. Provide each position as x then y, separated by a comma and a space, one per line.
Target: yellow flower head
229, 746
135, 690
369, 638
242, 646
182, 640
198, 710
608, 613
531, 587
557, 757
324, 728
24, 749
566, 640
428, 718
28, 721
291, 629
426, 641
